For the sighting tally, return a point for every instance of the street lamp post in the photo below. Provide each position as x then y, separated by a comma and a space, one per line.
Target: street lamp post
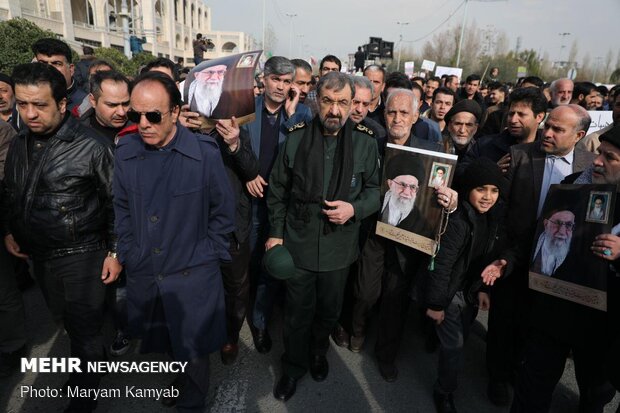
300, 37
400, 43
458, 53
290, 34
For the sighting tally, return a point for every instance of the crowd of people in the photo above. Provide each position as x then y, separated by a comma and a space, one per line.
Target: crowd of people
116, 197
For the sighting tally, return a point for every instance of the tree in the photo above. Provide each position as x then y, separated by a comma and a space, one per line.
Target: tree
129, 67
271, 41
16, 38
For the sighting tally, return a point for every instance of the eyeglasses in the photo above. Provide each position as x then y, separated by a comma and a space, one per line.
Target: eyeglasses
566, 224
403, 186
152, 117
211, 73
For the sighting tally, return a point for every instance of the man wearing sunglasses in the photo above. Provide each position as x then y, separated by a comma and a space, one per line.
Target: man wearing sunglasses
57, 211
175, 211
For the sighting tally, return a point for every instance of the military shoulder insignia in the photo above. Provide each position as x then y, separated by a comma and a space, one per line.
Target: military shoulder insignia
297, 126
365, 129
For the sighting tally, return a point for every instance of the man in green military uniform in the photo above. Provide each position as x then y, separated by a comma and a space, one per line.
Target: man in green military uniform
324, 182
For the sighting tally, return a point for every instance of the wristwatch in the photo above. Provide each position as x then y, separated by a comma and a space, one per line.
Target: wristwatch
112, 254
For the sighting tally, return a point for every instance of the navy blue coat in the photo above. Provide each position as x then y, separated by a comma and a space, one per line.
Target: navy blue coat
302, 114
175, 209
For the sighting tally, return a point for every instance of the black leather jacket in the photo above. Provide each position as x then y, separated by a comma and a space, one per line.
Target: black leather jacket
61, 205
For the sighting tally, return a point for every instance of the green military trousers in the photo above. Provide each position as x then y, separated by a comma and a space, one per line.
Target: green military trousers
313, 304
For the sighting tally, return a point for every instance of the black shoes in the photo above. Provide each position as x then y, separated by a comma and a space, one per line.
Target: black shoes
171, 401
285, 389
340, 336
262, 340
319, 368
388, 371
9, 362
444, 403
498, 393
229, 353
120, 345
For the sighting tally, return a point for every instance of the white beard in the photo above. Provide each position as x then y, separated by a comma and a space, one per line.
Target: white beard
552, 255
596, 213
398, 208
207, 96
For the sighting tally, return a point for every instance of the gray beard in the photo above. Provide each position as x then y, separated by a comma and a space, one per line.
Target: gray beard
553, 255
398, 209
206, 96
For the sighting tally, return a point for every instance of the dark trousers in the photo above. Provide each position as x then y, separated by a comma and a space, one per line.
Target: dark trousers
267, 287
236, 288
506, 326
193, 386
313, 304
367, 283
543, 365
393, 310
12, 318
116, 301
75, 294
452, 333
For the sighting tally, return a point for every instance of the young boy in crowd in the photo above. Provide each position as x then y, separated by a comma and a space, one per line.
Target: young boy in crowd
452, 288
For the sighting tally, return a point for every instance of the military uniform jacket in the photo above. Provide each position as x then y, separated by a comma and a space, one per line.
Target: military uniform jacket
307, 242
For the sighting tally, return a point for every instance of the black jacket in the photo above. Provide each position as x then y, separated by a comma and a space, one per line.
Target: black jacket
241, 166
61, 205
453, 270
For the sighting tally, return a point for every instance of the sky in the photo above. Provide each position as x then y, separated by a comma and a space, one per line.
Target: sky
337, 27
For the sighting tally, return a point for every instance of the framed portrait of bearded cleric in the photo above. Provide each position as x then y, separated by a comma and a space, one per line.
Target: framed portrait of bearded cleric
562, 263
222, 88
409, 211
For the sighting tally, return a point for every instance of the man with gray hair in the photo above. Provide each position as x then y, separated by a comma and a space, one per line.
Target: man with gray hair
364, 95
561, 92
385, 267
323, 184
276, 113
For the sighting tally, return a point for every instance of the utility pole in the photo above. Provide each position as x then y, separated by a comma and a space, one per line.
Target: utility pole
290, 34
400, 43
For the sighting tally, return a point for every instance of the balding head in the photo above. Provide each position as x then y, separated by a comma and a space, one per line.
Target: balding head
564, 127
561, 91
401, 112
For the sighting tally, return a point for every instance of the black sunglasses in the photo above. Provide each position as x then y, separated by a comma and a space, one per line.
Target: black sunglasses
152, 117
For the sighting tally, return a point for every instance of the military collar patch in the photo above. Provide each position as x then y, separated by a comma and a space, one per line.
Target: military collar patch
363, 128
297, 126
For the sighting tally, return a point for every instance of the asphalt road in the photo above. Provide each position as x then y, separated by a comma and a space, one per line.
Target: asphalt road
354, 383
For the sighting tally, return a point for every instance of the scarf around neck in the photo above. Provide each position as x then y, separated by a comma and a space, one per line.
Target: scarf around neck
308, 169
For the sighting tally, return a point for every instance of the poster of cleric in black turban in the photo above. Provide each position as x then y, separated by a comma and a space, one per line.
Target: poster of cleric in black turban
409, 212
562, 263
222, 88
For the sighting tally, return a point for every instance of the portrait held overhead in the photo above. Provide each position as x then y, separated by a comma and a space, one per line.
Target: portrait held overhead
223, 88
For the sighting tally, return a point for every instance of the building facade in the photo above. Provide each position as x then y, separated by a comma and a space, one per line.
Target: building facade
168, 26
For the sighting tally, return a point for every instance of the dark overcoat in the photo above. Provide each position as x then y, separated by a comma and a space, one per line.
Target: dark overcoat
175, 211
